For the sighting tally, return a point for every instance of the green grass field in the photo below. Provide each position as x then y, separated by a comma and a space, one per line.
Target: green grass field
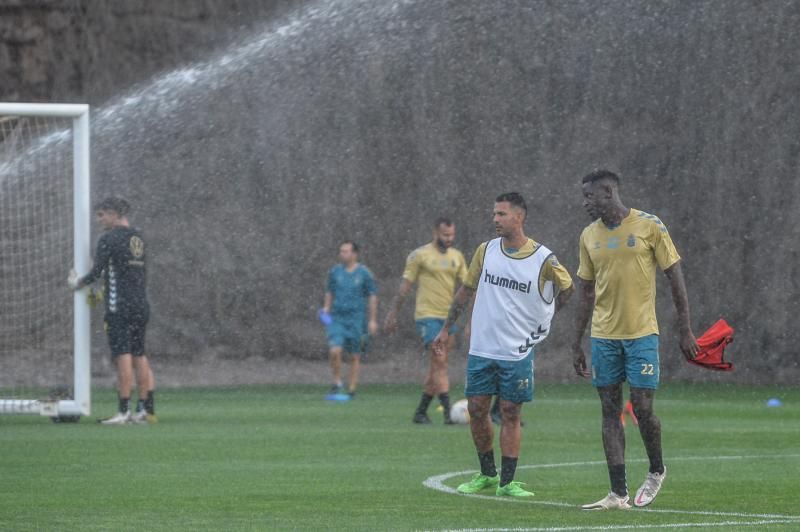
280, 457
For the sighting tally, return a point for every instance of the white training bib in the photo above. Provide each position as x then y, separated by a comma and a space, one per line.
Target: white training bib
511, 314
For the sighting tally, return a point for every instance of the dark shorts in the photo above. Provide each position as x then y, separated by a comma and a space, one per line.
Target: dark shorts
126, 334
512, 380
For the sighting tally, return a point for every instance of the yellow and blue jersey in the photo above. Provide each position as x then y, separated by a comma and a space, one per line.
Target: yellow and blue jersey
350, 290
552, 270
436, 274
622, 262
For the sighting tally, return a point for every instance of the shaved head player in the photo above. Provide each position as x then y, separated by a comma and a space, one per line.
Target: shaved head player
437, 268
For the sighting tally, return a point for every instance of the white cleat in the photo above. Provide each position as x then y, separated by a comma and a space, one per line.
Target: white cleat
612, 501
140, 418
648, 491
120, 418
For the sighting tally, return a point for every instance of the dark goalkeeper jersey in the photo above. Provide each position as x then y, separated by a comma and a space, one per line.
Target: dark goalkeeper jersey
120, 255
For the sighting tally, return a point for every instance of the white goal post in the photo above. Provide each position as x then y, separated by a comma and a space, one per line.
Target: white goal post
76, 115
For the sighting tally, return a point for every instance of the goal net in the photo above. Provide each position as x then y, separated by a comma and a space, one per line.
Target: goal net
44, 232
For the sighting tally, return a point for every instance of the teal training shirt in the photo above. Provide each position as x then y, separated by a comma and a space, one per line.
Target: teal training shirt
350, 290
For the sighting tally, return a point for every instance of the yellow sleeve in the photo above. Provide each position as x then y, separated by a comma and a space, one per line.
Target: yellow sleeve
475, 268
585, 268
412, 266
663, 247
554, 271
462, 270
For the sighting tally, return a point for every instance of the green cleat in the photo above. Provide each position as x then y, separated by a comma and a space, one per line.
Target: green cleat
479, 482
513, 489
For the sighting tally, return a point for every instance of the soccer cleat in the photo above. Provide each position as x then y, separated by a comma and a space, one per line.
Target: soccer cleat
479, 482
336, 389
421, 418
649, 489
120, 418
352, 394
612, 501
513, 489
141, 418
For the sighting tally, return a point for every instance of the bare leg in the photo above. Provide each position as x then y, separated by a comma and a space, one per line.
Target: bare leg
510, 433
614, 436
479, 422
649, 426
336, 364
124, 375
144, 376
355, 365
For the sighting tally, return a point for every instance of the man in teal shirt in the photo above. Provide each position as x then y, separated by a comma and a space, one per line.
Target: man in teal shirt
349, 296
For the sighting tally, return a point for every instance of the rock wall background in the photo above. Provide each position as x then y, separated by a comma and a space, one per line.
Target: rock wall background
289, 126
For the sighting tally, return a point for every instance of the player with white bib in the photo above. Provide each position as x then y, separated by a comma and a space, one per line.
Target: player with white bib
518, 285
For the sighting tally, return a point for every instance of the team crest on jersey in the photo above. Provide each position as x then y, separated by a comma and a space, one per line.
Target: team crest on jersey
631, 241
137, 247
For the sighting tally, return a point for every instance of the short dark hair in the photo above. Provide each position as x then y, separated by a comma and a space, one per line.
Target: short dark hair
597, 175
353, 244
515, 199
442, 220
115, 204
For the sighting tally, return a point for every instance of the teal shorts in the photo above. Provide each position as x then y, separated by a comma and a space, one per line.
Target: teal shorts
349, 334
635, 360
429, 328
511, 379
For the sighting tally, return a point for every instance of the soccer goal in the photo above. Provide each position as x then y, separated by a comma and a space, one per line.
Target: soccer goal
44, 232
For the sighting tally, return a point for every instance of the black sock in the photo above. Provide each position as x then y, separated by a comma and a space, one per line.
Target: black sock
619, 484
657, 465
444, 399
424, 403
150, 403
140, 405
508, 466
487, 463
124, 404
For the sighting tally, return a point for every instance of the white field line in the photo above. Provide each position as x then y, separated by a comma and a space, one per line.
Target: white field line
629, 527
437, 483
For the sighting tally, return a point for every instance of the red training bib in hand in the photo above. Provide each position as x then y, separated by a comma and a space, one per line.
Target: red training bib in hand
712, 347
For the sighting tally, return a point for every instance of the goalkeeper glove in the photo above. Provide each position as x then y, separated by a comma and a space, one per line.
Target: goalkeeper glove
72, 280
94, 297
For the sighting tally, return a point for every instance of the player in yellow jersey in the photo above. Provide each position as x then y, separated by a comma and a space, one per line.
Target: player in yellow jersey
619, 253
438, 269
517, 284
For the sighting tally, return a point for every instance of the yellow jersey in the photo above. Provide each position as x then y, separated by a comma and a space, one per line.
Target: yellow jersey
552, 270
436, 274
622, 263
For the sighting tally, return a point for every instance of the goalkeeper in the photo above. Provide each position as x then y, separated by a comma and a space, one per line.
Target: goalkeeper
120, 257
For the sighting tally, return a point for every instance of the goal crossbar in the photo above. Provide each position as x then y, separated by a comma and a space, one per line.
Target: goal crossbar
81, 402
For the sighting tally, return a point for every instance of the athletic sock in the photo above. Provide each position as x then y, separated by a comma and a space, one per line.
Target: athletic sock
424, 403
487, 463
508, 466
619, 484
124, 404
444, 399
657, 465
140, 405
150, 403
